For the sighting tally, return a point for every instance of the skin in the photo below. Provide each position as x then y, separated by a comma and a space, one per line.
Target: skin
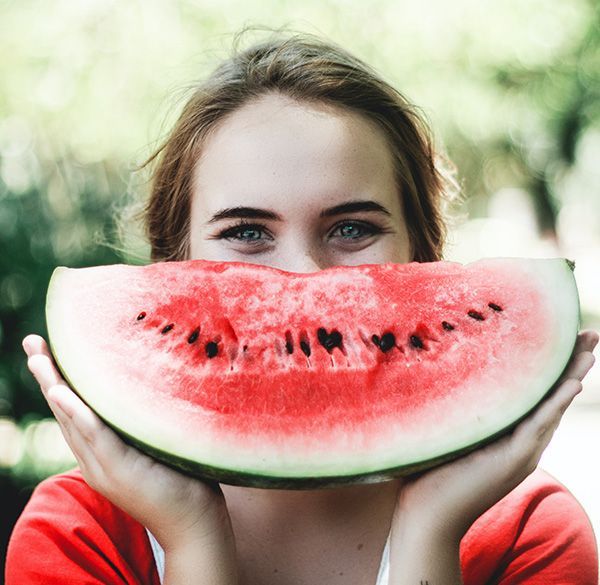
297, 162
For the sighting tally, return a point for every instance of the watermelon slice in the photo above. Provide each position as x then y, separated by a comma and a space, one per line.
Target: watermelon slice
251, 375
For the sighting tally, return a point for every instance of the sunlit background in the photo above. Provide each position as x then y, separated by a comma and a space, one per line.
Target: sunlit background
511, 89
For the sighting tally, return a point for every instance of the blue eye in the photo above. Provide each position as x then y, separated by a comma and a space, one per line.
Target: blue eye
245, 232
351, 230
356, 230
249, 234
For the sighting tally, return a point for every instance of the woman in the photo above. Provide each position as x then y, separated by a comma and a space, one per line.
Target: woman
296, 155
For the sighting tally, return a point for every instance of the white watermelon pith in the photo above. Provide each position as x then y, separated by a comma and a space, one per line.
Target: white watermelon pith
251, 375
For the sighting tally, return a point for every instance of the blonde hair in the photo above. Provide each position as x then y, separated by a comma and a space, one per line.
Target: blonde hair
306, 68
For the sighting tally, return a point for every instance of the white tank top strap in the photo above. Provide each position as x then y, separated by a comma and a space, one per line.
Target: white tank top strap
383, 577
159, 559
159, 556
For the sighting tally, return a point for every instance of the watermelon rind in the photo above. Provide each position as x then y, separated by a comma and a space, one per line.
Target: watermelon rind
247, 465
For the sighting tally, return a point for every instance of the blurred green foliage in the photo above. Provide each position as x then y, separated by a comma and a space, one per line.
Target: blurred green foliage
36, 235
511, 88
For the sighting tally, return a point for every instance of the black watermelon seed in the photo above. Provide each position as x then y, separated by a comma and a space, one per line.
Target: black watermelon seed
305, 348
375, 339
289, 342
447, 326
335, 337
168, 328
322, 335
245, 348
476, 315
329, 340
495, 306
387, 342
141, 315
211, 349
194, 335
416, 341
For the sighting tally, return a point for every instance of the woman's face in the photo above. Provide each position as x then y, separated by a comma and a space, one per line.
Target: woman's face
298, 187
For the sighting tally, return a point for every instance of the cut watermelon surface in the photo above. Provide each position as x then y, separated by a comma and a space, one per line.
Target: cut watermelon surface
251, 375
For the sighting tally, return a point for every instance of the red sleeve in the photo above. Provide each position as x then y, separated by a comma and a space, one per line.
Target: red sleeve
68, 533
537, 535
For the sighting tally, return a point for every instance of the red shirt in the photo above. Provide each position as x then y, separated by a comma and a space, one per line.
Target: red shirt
68, 533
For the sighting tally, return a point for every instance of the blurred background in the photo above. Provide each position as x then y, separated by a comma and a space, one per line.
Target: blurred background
87, 88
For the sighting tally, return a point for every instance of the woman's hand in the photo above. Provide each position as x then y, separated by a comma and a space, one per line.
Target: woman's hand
449, 498
436, 508
187, 517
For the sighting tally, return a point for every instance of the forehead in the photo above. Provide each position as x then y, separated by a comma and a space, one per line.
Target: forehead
276, 150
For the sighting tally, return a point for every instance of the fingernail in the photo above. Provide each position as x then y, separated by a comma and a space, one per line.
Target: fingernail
26, 348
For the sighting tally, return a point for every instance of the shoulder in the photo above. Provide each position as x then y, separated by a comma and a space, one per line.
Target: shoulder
70, 533
538, 533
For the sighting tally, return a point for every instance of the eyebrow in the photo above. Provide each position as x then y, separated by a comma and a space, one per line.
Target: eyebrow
257, 213
252, 212
353, 207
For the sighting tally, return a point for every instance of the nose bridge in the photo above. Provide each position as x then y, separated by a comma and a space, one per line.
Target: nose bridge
301, 255
303, 261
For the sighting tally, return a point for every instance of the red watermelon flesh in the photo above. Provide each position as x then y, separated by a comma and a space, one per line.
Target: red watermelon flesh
252, 375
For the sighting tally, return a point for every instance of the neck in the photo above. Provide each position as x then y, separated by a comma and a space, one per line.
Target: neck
310, 511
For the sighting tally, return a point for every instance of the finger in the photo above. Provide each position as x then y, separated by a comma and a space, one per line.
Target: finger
579, 366
80, 415
585, 361
76, 435
74, 441
108, 449
79, 447
105, 460
43, 370
586, 341
78, 420
542, 423
95, 447
34, 344
532, 435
